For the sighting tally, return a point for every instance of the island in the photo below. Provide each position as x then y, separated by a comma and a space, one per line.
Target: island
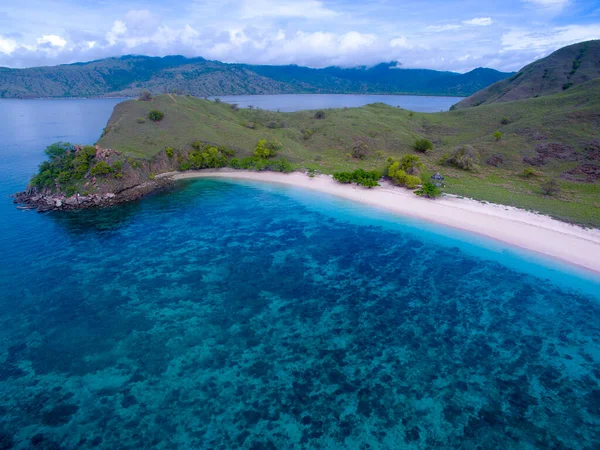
539, 152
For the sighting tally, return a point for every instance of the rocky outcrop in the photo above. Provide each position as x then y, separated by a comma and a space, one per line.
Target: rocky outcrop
49, 201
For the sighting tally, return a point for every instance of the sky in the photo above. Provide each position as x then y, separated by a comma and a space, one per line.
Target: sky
438, 34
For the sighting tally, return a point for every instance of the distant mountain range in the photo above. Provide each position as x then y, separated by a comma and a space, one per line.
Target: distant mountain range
128, 75
563, 69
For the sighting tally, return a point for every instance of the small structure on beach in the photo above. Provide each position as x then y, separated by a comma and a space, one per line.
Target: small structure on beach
437, 179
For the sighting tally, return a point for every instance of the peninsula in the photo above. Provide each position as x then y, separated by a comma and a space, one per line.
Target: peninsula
540, 152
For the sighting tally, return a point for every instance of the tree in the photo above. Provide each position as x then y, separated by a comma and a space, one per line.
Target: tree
267, 149
156, 115
397, 175
423, 145
429, 190
320, 115
360, 149
101, 168
411, 164
412, 182
497, 135
145, 96
58, 149
169, 152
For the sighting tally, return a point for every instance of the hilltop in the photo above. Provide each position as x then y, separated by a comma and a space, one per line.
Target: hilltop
562, 70
128, 75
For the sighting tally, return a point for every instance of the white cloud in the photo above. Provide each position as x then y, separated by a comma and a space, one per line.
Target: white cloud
441, 28
118, 29
549, 39
53, 40
479, 21
311, 9
549, 5
400, 42
7, 46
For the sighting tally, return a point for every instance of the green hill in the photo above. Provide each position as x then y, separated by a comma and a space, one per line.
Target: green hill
555, 137
563, 69
128, 75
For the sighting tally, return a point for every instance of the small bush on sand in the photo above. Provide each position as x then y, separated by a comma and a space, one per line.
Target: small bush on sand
429, 190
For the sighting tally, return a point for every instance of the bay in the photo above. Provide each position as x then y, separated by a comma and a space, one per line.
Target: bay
300, 102
225, 314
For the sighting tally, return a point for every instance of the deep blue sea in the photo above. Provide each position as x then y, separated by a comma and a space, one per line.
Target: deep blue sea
244, 315
298, 102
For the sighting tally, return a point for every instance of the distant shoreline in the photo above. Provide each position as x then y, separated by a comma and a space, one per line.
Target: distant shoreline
527, 230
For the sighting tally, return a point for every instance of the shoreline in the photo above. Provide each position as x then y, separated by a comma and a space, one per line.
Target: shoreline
540, 234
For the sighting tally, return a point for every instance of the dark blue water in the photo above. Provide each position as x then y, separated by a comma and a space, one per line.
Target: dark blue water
299, 102
230, 315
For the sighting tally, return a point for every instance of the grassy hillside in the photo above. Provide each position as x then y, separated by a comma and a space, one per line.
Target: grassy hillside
563, 69
128, 75
555, 136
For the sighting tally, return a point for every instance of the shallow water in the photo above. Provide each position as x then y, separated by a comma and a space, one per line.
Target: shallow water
228, 314
299, 102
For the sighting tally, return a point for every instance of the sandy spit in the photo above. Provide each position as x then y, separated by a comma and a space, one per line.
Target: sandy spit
535, 232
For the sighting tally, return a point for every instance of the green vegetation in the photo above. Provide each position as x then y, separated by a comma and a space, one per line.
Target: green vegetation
550, 187
101, 169
67, 166
429, 190
464, 157
170, 153
497, 135
267, 148
359, 176
402, 172
544, 77
175, 75
568, 118
423, 145
155, 115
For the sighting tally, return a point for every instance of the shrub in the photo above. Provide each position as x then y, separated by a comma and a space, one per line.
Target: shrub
267, 149
411, 164
217, 100
497, 135
101, 169
156, 115
530, 172
141, 120
151, 175
423, 145
397, 175
505, 121
58, 149
145, 96
429, 190
412, 182
464, 157
320, 115
234, 106
359, 176
360, 149
567, 85
169, 152
550, 187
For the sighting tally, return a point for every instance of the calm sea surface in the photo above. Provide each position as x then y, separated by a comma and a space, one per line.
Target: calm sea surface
296, 102
243, 315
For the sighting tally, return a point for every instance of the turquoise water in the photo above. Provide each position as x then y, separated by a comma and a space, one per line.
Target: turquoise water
299, 102
226, 315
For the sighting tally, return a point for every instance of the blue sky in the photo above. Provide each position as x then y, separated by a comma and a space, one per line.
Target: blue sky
440, 34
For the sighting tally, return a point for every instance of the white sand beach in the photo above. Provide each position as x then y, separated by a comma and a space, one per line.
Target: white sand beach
535, 232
